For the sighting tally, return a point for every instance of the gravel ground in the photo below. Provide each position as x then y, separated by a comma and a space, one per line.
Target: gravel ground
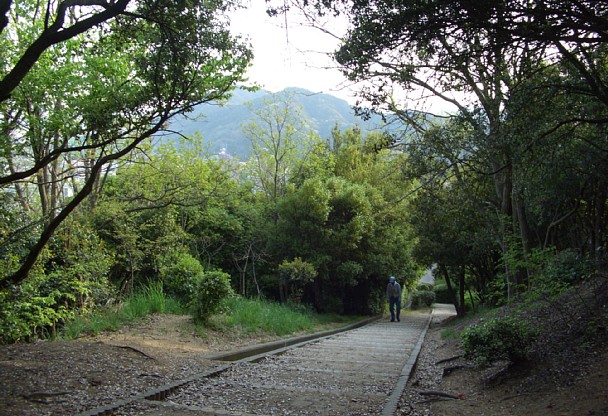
66, 377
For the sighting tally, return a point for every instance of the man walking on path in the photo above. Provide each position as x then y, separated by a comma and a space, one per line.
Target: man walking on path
393, 295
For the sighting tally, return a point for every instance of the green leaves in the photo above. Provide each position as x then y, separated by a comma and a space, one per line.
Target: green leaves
280, 142
99, 88
507, 338
211, 290
295, 276
348, 225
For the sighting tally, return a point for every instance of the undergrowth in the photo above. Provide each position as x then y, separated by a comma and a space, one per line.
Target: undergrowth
246, 316
257, 316
150, 299
540, 325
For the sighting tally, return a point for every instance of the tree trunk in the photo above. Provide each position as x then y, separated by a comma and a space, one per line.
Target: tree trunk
461, 292
599, 249
451, 292
50, 228
523, 276
21, 194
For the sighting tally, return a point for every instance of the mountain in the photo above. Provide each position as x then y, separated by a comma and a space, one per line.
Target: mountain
221, 126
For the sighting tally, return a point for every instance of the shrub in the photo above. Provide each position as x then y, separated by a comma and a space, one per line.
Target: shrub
179, 272
423, 295
43, 302
565, 267
422, 298
294, 276
210, 291
507, 338
26, 315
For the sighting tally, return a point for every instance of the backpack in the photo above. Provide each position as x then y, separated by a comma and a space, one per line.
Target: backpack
393, 290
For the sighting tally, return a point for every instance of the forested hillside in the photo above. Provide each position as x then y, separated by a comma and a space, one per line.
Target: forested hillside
507, 196
221, 126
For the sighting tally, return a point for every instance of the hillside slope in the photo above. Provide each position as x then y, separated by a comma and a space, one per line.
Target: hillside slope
221, 126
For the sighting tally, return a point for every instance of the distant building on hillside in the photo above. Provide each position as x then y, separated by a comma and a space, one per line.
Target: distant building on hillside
224, 155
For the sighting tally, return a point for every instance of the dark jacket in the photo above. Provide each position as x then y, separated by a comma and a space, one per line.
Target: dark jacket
393, 290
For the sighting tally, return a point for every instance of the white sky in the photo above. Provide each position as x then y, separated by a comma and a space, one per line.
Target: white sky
292, 56
288, 54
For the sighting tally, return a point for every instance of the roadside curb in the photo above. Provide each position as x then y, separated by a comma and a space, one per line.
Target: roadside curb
393, 401
282, 343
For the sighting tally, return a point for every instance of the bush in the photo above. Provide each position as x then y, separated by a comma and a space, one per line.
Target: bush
423, 295
423, 298
42, 303
70, 276
180, 272
294, 276
565, 267
210, 291
498, 339
26, 315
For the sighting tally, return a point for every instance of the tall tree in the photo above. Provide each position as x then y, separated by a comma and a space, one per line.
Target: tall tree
165, 202
560, 169
454, 222
281, 141
570, 31
56, 22
350, 225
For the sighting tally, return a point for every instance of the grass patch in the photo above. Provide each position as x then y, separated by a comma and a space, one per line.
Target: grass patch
256, 316
149, 299
242, 316
450, 333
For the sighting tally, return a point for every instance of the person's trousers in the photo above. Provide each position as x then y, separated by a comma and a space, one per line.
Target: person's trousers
394, 303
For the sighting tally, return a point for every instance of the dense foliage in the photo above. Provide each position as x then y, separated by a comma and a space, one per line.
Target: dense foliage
505, 192
498, 339
310, 221
83, 84
210, 290
513, 172
423, 296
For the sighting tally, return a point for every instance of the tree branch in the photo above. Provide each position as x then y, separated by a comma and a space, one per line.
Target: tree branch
52, 226
55, 34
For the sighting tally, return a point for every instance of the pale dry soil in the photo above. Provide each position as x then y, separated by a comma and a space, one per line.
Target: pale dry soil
67, 377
